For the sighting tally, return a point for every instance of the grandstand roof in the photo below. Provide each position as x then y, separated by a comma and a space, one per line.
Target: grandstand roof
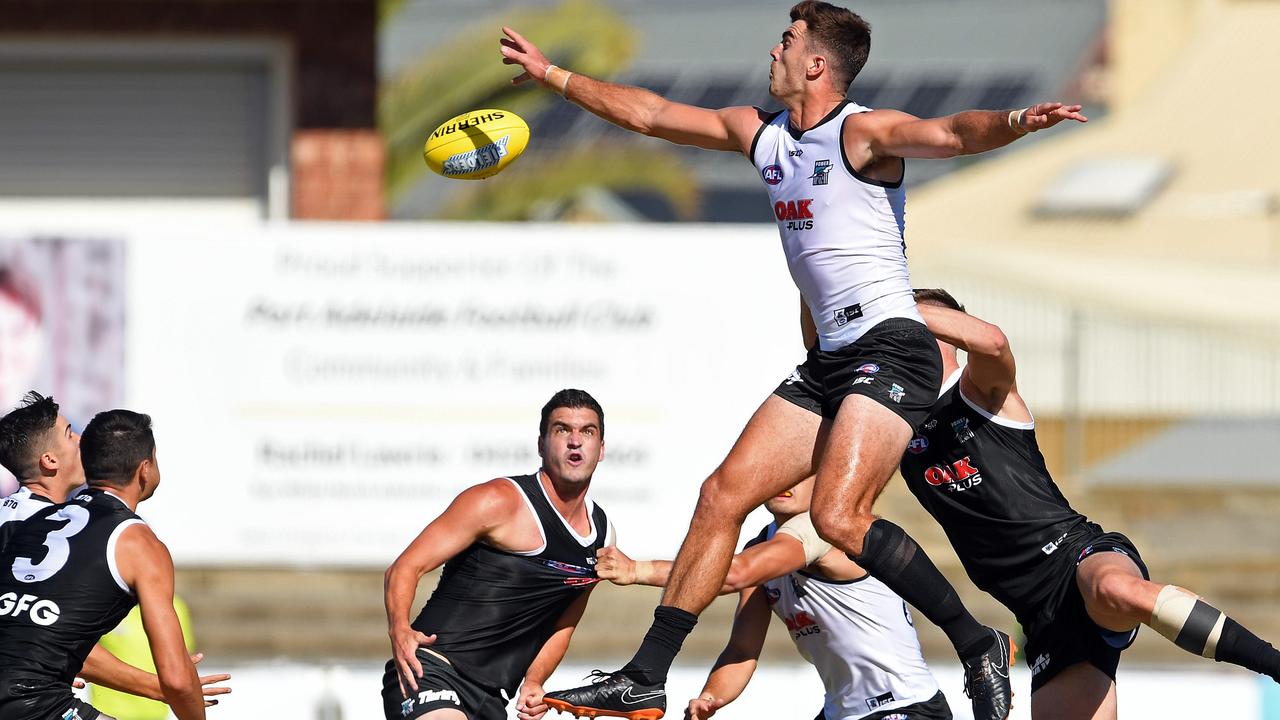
1204, 248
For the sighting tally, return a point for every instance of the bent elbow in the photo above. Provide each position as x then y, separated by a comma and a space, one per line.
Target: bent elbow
179, 687
739, 577
996, 343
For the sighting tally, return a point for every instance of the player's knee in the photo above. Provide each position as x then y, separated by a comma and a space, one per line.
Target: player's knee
1117, 592
838, 525
721, 500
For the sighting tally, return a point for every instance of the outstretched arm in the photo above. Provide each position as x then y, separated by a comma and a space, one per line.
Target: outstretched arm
759, 563
529, 705
883, 134
991, 369
634, 108
737, 663
147, 569
104, 669
470, 516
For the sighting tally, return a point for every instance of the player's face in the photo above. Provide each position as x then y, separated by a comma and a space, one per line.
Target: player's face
793, 501
65, 448
789, 58
573, 445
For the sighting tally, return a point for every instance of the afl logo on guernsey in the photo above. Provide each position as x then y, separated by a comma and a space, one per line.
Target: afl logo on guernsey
918, 445
869, 368
772, 174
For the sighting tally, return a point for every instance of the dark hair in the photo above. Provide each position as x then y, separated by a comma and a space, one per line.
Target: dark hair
114, 444
840, 32
570, 398
937, 296
23, 434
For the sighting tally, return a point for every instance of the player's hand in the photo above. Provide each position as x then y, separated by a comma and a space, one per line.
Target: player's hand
1046, 115
701, 709
614, 566
518, 51
209, 683
405, 642
529, 705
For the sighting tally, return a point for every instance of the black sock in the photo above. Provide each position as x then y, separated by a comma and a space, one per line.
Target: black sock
896, 560
670, 627
1240, 647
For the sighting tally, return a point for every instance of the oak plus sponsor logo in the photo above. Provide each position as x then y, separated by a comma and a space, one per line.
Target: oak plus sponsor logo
802, 624
795, 214
957, 476
40, 612
772, 174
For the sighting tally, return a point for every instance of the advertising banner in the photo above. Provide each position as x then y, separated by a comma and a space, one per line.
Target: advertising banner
321, 392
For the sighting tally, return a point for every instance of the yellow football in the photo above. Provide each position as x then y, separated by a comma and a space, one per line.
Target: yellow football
477, 144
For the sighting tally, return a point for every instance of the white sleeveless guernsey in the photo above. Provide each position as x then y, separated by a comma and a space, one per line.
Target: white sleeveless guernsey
21, 505
841, 231
859, 636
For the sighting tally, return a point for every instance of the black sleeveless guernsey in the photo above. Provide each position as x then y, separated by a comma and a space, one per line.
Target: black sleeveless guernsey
983, 479
493, 610
60, 589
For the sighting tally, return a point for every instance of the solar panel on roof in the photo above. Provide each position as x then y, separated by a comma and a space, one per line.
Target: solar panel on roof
719, 94
865, 92
928, 97
1004, 92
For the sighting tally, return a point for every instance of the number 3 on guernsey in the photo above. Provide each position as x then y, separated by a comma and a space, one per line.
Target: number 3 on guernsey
25, 571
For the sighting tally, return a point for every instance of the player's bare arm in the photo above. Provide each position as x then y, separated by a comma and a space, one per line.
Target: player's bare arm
879, 135
633, 108
990, 377
737, 662
759, 563
106, 670
477, 513
147, 568
529, 704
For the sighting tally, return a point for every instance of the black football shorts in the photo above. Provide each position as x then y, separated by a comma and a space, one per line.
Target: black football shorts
896, 363
440, 687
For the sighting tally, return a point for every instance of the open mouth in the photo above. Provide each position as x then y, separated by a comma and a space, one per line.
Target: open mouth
784, 494
574, 458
